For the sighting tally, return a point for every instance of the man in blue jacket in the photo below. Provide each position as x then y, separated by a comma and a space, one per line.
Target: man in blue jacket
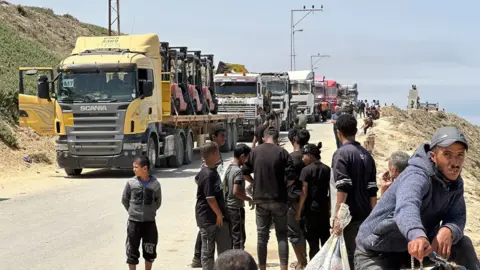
422, 211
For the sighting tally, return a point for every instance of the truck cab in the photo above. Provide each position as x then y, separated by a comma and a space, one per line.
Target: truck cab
278, 85
301, 82
331, 93
240, 92
320, 97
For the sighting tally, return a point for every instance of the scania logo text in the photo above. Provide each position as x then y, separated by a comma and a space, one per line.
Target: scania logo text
93, 108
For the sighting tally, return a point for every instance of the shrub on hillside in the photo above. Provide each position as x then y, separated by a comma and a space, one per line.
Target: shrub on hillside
7, 135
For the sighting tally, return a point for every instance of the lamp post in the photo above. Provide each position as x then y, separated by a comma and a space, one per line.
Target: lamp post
320, 56
292, 29
293, 45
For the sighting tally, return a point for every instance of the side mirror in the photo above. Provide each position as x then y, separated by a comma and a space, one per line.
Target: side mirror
43, 90
147, 88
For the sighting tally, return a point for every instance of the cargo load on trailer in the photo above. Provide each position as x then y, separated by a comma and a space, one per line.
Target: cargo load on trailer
114, 100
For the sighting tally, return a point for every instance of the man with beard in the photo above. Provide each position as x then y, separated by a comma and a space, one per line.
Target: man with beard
422, 211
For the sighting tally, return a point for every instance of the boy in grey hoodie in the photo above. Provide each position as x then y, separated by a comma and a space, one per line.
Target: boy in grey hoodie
422, 211
142, 197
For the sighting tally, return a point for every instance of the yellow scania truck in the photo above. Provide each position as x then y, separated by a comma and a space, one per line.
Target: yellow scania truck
111, 101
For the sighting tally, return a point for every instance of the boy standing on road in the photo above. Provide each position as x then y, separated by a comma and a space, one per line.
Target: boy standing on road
315, 198
142, 197
218, 136
272, 166
235, 196
210, 208
354, 173
298, 137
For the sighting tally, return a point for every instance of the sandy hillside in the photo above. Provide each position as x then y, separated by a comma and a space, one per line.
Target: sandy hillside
406, 130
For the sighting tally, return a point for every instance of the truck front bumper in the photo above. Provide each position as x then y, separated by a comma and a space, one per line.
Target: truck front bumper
121, 161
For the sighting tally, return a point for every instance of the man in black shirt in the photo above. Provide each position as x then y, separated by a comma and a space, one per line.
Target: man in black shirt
210, 208
315, 198
272, 166
258, 136
298, 137
354, 173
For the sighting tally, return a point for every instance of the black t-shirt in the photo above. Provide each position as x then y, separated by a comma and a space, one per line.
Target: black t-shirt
259, 133
355, 173
271, 166
317, 175
296, 188
209, 185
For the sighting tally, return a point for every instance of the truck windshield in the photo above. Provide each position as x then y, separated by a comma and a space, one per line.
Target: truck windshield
97, 87
240, 88
276, 87
319, 91
331, 91
301, 88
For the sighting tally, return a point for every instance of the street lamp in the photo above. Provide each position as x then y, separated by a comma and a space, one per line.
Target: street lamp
292, 29
320, 56
293, 42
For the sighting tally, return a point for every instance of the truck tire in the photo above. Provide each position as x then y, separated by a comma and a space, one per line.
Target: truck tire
177, 160
188, 157
152, 152
234, 136
225, 148
73, 172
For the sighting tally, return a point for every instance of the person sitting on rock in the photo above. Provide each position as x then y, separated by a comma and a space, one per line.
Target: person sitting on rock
422, 211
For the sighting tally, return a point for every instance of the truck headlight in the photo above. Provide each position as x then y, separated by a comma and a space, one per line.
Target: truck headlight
134, 146
61, 147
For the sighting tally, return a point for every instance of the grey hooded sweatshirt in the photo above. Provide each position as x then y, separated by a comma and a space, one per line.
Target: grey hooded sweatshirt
417, 204
142, 199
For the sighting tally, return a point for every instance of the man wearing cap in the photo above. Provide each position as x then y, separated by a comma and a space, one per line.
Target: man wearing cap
422, 211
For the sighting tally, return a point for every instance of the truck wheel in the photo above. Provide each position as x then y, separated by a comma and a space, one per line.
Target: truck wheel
225, 148
234, 136
188, 157
152, 152
73, 172
177, 160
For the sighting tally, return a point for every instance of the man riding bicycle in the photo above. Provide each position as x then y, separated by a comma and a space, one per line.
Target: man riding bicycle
422, 211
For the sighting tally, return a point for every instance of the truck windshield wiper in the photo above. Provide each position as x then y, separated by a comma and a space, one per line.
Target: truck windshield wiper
73, 100
105, 100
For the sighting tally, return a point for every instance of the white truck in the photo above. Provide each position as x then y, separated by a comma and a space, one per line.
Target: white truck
240, 92
279, 85
301, 83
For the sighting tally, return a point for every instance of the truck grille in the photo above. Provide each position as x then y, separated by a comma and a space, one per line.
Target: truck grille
96, 133
248, 110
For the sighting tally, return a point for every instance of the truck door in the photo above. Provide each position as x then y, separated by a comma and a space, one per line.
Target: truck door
36, 112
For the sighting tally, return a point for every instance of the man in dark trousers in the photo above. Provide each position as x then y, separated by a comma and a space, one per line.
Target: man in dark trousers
272, 166
298, 137
335, 116
354, 173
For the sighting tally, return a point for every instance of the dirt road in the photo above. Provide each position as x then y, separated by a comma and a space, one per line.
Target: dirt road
51, 222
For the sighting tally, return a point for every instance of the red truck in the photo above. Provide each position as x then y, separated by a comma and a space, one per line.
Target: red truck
326, 90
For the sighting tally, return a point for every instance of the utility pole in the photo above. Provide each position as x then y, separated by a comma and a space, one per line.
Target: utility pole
115, 7
320, 56
292, 29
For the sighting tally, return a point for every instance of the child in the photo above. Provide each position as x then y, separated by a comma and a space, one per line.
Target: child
210, 208
142, 197
315, 198
235, 196
217, 135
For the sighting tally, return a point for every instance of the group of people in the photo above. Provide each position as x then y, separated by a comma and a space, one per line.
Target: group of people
421, 209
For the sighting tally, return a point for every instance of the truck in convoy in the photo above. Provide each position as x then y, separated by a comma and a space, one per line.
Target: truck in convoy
320, 96
301, 83
113, 102
347, 94
279, 85
241, 93
331, 93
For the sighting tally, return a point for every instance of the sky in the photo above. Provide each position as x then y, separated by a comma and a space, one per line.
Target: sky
384, 46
